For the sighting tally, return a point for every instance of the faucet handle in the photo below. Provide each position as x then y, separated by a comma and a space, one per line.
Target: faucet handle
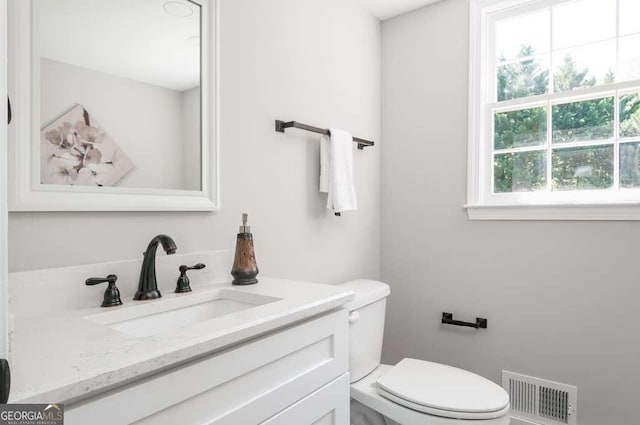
111, 294
183, 284
198, 266
98, 280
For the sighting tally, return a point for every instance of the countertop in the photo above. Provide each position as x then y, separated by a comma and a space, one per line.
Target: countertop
64, 357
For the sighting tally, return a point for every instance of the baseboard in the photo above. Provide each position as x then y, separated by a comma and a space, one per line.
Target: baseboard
518, 421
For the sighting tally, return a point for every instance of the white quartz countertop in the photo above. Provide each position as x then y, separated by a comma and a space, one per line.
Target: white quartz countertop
64, 357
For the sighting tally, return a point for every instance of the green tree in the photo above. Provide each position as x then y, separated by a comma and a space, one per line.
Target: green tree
524, 127
570, 77
630, 152
630, 115
520, 172
572, 168
524, 77
584, 120
589, 167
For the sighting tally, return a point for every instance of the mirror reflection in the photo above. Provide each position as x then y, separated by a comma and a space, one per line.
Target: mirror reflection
120, 93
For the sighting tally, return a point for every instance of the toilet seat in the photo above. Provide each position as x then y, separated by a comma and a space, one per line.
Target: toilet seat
365, 391
442, 390
442, 413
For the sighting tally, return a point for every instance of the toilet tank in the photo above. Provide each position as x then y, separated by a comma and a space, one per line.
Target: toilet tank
366, 325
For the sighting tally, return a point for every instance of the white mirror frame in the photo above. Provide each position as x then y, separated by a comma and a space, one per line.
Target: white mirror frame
25, 191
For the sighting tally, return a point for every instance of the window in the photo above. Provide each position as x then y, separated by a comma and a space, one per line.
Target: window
555, 109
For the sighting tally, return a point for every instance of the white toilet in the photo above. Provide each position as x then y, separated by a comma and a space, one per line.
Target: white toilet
413, 392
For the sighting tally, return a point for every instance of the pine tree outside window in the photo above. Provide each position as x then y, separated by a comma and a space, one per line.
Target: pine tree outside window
554, 109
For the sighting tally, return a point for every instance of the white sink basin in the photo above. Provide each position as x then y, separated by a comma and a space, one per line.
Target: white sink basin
154, 317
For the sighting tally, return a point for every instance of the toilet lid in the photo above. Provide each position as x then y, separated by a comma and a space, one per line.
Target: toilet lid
443, 390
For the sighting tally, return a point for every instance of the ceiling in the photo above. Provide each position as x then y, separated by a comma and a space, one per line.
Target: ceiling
385, 9
134, 39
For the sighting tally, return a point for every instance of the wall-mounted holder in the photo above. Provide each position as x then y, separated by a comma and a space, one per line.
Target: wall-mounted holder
281, 126
447, 319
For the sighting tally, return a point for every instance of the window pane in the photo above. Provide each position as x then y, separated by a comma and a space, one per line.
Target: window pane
582, 121
523, 78
630, 115
523, 36
583, 168
629, 13
527, 127
585, 66
583, 21
629, 59
630, 165
520, 172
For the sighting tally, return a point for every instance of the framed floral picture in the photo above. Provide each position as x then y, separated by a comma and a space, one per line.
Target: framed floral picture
76, 150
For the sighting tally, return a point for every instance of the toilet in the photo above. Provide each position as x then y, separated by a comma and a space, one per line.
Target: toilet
413, 392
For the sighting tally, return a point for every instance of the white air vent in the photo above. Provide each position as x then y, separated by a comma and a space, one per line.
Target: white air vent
541, 401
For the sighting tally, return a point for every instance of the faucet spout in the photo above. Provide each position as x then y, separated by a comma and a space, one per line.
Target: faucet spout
148, 285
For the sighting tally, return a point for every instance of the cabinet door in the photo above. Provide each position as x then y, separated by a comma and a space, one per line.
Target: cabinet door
327, 406
4, 307
243, 385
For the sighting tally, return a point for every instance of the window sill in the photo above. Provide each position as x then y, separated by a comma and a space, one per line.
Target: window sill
564, 212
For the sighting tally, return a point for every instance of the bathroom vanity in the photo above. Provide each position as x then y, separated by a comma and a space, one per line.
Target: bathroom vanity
272, 353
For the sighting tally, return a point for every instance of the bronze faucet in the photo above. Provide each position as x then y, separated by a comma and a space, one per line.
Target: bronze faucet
148, 285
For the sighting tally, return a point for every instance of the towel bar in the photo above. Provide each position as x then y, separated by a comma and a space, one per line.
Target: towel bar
447, 319
281, 126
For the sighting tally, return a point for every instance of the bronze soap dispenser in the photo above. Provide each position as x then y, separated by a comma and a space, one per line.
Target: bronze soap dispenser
244, 269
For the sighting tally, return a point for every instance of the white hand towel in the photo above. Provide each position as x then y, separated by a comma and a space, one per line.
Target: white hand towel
325, 163
342, 192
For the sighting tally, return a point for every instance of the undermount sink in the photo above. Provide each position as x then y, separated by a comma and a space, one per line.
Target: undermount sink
155, 317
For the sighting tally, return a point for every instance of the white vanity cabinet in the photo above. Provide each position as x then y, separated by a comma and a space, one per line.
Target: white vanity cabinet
296, 375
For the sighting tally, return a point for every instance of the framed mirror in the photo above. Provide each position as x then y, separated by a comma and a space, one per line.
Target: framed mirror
114, 105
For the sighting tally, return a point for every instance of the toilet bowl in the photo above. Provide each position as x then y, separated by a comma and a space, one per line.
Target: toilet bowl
412, 392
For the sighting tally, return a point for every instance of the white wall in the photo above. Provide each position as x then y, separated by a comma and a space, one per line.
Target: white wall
4, 281
146, 121
317, 61
561, 297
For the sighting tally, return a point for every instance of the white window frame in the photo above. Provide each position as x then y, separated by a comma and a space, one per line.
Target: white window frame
482, 204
